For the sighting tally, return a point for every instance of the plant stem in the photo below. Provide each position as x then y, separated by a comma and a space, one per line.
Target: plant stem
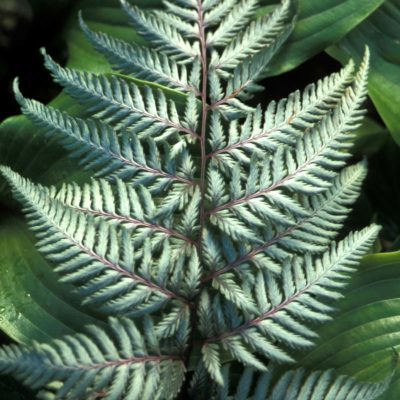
203, 165
203, 58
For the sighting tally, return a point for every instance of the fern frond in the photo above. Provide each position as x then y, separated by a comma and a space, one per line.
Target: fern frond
216, 10
141, 62
244, 76
97, 146
173, 322
121, 103
176, 21
281, 123
257, 202
233, 292
287, 304
121, 204
188, 3
215, 217
307, 169
302, 385
98, 258
261, 33
212, 362
233, 23
309, 235
120, 362
186, 13
161, 33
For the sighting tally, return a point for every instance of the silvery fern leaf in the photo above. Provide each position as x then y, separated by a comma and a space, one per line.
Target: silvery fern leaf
282, 122
260, 33
187, 3
161, 32
215, 11
186, 13
98, 147
298, 384
209, 223
122, 205
120, 102
247, 73
309, 168
238, 18
121, 361
100, 258
311, 234
175, 21
141, 62
303, 290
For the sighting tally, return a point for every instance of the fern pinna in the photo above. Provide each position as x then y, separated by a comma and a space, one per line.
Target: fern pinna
207, 237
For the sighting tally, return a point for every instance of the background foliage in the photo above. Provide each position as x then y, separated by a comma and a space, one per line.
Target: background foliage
33, 306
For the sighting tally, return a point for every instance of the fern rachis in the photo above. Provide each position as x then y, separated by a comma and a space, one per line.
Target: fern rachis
207, 234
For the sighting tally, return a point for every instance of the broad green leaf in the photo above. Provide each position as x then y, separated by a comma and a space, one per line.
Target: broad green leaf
319, 24
359, 341
24, 147
381, 33
33, 305
370, 138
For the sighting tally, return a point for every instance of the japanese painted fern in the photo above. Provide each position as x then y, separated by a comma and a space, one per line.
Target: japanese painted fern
207, 237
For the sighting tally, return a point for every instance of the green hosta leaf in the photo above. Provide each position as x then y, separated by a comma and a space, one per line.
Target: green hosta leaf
26, 148
319, 24
380, 32
361, 339
370, 138
33, 305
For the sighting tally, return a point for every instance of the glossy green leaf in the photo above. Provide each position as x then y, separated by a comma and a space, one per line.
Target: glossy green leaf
319, 24
381, 33
33, 305
370, 138
359, 341
24, 147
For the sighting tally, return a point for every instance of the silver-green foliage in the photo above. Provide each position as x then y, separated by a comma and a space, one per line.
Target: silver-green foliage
208, 233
